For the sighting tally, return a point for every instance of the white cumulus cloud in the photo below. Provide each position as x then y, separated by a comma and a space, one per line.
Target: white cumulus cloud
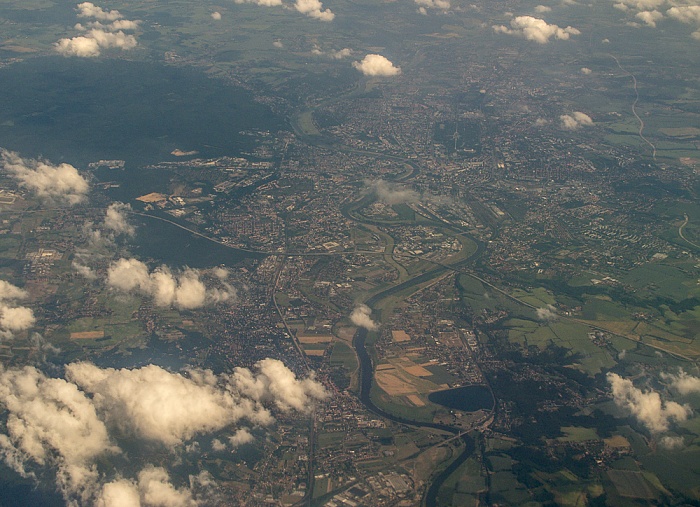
97, 35
688, 14
314, 9
671, 443
542, 8
184, 290
360, 316
262, 3
52, 423
390, 193
536, 29
682, 382
276, 384
68, 424
241, 437
147, 403
646, 406
90, 10
434, 4
116, 219
13, 318
216, 16
650, 17
685, 13
376, 65
575, 120
59, 184
153, 488
546, 313
336, 55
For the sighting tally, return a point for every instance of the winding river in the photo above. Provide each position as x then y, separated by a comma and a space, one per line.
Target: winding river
366, 374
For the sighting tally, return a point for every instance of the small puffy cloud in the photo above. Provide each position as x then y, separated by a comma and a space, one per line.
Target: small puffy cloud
83, 47
433, 4
90, 10
220, 272
120, 24
360, 316
120, 493
575, 120
650, 12
184, 290
97, 35
16, 319
241, 437
275, 383
13, 318
314, 9
638, 5
649, 17
262, 3
59, 184
390, 193
217, 445
123, 24
670, 443
376, 65
153, 488
336, 55
278, 44
156, 489
216, 16
92, 44
682, 382
688, 14
546, 313
542, 8
116, 219
85, 271
536, 29
685, 13
585, 70
646, 406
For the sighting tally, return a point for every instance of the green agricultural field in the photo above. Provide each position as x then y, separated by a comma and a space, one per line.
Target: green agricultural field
603, 308
675, 282
578, 434
9, 247
405, 212
332, 440
397, 407
345, 356
537, 297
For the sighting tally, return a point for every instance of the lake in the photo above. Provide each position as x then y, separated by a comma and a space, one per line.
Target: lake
466, 399
79, 110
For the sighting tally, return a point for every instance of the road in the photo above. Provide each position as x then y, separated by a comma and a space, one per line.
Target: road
634, 108
680, 232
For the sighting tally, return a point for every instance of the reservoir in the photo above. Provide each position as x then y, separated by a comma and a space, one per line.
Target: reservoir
466, 399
